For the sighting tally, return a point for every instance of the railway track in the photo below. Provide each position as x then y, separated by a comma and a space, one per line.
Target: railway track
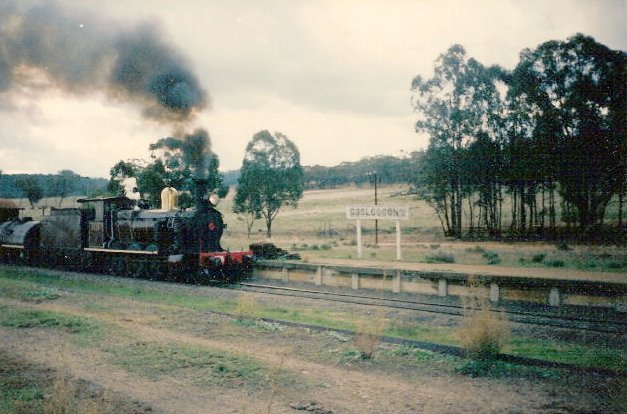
533, 318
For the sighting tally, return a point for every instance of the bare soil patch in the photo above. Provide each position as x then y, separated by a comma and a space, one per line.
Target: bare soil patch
38, 388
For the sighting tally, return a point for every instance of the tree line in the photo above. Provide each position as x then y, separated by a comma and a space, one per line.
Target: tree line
550, 131
34, 187
388, 169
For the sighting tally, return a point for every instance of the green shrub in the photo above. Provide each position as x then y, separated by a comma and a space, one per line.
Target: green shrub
588, 264
492, 257
475, 249
538, 258
31, 318
480, 368
555, 263
440, 257
616, 265
40, 296
563, 246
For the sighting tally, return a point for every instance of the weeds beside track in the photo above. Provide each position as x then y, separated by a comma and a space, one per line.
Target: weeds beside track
542, 319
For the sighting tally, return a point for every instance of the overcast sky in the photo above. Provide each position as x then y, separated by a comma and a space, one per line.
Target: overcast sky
333, 76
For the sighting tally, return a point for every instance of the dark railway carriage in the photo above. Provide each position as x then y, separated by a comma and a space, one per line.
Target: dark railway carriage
110, 234
19, 238
63, 238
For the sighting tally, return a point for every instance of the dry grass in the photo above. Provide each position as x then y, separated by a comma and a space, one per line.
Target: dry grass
64, 397
483, 331
368, 334
245, 306
275, 381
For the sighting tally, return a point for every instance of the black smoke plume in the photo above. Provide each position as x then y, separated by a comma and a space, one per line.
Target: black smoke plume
79, 53
194, 150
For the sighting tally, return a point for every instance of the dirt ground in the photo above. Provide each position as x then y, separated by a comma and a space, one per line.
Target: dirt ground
305, 371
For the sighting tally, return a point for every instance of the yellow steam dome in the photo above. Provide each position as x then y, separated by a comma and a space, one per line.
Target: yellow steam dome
169, 199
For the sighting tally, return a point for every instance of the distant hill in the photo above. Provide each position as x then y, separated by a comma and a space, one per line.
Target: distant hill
231, 177
49, 184
389, 170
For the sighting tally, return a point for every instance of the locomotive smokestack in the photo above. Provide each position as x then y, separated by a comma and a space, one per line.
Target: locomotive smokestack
194, 151
79, 53
200, 196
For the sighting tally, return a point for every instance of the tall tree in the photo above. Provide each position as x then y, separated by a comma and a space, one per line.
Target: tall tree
187, 158
271, 177
527, 161
151, 180
576, 92
175, 162
247, 200
30, 188
64, 183
484, 169
120, 171
458, 103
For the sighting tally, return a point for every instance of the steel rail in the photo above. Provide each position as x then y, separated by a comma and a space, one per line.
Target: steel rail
566, 322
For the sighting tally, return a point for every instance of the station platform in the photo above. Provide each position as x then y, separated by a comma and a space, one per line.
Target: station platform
549, 273
547, 286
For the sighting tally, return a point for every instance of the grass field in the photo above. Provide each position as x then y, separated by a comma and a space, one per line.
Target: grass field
319, 228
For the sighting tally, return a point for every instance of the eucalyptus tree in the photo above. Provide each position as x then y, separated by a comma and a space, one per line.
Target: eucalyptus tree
528, 165
484, 169
457, 104
188, 158
64, 183
271, 177
30, 188
150, 178
575, 92
121, 170
174, 161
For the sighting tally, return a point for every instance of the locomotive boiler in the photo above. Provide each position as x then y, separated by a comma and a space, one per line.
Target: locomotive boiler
113, 235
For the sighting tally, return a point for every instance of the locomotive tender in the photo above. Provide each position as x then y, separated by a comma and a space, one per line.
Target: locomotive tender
112, 235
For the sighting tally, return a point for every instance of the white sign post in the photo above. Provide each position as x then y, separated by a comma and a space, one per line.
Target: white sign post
360, 213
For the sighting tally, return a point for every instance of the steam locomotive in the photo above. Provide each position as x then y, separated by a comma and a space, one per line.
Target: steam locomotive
112, 235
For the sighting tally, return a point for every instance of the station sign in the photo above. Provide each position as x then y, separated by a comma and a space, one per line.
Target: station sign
377, 213
359, 213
